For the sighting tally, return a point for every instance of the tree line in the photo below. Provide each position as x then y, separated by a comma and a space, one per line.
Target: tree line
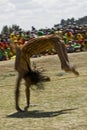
69, 21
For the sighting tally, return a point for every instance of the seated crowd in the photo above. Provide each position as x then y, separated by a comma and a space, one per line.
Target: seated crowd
75, 39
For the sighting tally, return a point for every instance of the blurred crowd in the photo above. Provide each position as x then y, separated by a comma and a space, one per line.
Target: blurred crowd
75, 38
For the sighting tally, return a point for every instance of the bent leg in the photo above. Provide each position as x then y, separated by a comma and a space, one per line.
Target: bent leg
64, 50
62, 53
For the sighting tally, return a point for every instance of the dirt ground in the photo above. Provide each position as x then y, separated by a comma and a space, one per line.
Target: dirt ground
62, 105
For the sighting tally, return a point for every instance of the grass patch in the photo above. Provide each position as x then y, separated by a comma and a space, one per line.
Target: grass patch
62, 105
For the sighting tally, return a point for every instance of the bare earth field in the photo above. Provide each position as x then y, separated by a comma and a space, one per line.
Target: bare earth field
62, 105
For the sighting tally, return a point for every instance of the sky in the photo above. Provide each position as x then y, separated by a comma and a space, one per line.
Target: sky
39, 13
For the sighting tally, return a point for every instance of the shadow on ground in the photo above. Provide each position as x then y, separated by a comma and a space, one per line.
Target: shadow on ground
39, 114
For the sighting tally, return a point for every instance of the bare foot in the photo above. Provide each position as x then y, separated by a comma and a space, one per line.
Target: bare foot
71, 68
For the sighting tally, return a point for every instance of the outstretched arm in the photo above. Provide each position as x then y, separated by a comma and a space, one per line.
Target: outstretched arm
17, 93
